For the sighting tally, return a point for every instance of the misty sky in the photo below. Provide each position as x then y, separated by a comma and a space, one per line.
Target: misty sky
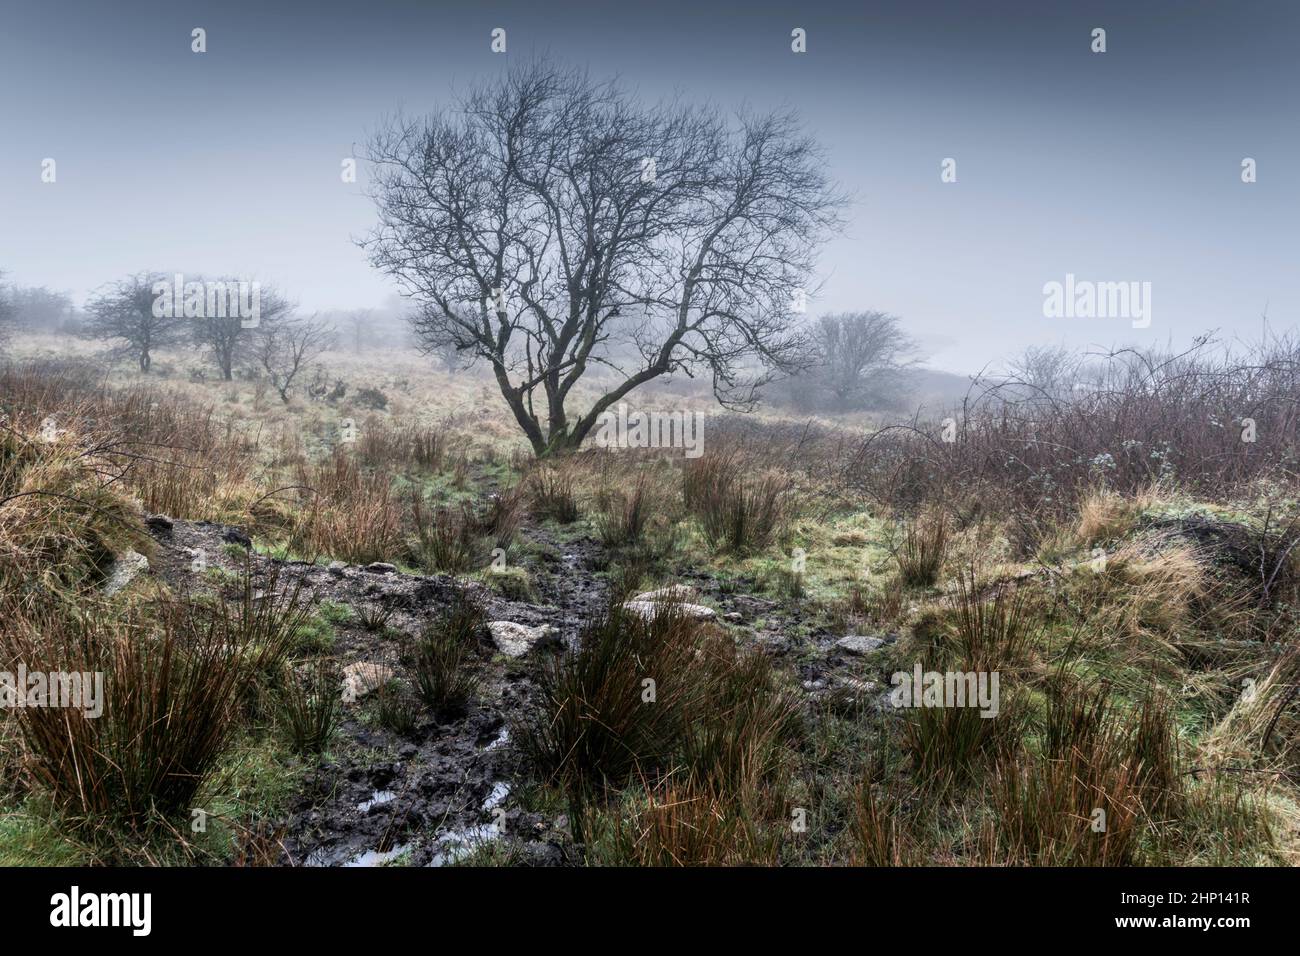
1117, 166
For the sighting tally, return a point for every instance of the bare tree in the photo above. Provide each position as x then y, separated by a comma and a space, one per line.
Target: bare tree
451, 357
40, 309
1046, 371
124, 312
860, 356
228, 339
359, 321
6, 313
285, 345
552, 224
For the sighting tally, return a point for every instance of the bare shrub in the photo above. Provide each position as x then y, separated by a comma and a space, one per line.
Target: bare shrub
1210, 419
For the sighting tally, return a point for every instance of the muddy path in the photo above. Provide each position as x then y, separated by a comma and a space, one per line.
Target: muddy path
432, 796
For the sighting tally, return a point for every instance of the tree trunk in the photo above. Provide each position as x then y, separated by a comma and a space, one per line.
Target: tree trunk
516, 402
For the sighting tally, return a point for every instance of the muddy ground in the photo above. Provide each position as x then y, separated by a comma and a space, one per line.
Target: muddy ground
430, 797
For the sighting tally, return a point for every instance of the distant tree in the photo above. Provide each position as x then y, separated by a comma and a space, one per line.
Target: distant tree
859, 357
40, 309
285, 345
1046, 371
6, 313
124, 312
359, 322
452, 358
228, 339
552, 224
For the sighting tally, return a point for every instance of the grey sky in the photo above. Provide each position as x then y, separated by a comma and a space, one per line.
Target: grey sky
1115, 166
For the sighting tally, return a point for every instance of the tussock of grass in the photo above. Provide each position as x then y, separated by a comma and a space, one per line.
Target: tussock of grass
623, 516
174, 679
551, 494
739, 510
310, 705
672, 706
921, 554
61, 522
1105, 515
350, 515
1101, 783
442, 659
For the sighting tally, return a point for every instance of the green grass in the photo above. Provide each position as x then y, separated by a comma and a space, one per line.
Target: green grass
316, 635
512, 582
30, 837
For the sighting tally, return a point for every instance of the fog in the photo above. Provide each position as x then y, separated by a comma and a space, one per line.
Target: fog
1122, 166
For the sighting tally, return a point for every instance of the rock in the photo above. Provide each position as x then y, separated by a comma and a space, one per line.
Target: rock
648, 609
516, 640
160, 523
859, 644
126, 567
734, 616
363, 677
381, 567
674, 592
337, 568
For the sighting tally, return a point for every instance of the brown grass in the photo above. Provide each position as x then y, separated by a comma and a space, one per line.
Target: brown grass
350, 515
739, 509
921, 554
652, 701
551, 495
1103, 783
174, 678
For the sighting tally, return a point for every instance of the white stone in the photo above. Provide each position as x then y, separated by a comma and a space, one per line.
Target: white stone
674, 592
363, 677
859, 644
516, 640
125, 569
648, 609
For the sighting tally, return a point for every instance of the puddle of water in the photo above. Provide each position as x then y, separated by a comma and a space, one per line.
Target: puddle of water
458, 844
455, 846
323, 857
500, 741
377, 799
377, 857
500, 790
